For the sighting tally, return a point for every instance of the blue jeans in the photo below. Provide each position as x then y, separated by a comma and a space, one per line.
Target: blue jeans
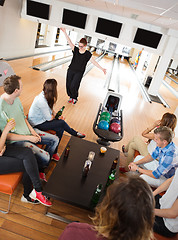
43, 156
57, 125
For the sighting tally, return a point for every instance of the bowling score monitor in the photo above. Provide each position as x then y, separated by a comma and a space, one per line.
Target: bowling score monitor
73, 18
147, 38
108, 27
37, 9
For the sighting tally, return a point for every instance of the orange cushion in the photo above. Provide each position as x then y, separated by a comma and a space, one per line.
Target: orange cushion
51, 131
8, 182
159, 237
136, 153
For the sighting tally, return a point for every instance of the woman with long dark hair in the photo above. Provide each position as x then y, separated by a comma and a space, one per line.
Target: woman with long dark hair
42, 115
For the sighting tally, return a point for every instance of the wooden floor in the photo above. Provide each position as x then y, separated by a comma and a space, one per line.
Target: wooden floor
26, 221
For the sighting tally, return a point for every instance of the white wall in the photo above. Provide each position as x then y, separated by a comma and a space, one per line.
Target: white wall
23, 30
17, 35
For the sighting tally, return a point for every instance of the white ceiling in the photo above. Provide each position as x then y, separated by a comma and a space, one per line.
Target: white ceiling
162, 13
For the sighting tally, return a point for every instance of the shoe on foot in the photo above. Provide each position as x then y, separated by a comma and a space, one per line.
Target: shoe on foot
70, 100
122, 169
80, 135
124, 151
29, 200
40, 197
43, 176
55, 157
74, 101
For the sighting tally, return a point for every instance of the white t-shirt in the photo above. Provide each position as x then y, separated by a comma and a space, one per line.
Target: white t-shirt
168, 200
151, 146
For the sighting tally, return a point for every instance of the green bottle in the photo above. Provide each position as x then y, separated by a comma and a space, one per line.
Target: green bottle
96, 195
111, 178
59, 113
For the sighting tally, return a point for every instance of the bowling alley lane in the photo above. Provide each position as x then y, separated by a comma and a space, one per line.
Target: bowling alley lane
137, 113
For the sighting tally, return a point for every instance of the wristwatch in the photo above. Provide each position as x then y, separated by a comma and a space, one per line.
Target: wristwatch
137, 170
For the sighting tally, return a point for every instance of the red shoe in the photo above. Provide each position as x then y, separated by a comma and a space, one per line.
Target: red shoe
122, 170
56, 157
70, 100
80, 135
43, 176
74, 101
41, 198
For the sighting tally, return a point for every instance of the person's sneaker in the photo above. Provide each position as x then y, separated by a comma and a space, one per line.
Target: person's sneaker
74, 101
40, 197
124, 151
55, 157
122, 169
80, 135
29, 200
70, 100
43, 176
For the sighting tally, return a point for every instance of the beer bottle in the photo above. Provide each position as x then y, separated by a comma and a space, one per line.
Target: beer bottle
114, 164
111, 178
59, 113
66, 153
96, 195
85, 170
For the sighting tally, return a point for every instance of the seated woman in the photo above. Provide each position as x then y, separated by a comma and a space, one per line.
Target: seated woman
20, 159
166, 211
168, 120
126, 212
42, 116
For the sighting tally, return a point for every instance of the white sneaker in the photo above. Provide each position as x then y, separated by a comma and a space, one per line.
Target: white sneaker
29, 200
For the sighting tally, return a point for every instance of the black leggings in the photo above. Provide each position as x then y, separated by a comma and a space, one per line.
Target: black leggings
21, 159
73, 83
159, 226
59, 126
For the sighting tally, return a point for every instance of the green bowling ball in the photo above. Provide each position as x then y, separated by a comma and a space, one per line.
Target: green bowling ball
105, 114
105, 118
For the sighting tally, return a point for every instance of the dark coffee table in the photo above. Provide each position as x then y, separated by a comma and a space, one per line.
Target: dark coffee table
66, 183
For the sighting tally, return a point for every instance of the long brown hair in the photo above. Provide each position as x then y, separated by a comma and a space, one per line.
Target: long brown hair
169, 120
50, 91
126, 212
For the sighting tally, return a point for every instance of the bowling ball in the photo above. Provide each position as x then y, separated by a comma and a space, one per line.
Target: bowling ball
105, 118
115, 120
105, 114
103, 125
115, 127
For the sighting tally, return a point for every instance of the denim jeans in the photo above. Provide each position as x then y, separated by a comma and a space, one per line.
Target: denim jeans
43, 156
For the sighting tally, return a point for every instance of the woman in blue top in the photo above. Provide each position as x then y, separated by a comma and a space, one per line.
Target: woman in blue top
42, 116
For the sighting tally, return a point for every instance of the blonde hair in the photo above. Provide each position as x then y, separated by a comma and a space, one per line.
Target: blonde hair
126, 212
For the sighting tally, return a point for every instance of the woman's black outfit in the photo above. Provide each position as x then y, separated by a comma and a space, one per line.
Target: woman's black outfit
75, 72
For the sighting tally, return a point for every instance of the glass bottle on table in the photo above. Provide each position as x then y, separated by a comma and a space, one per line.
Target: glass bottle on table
66, 153
96, 195
111, 178
86, 167
86, 170
114, 164
59, 113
